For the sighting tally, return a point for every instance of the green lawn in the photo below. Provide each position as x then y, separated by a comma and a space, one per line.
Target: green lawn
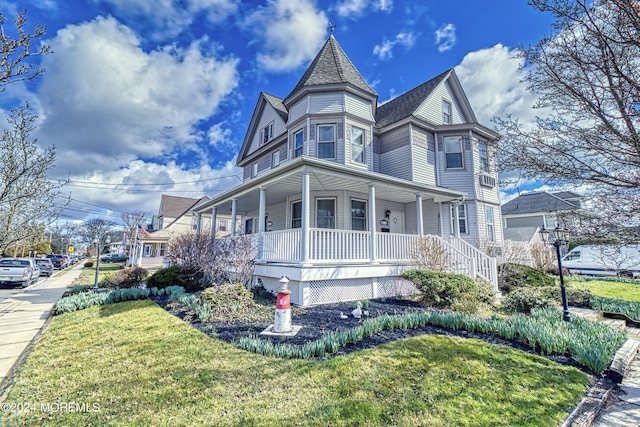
88, 274
608, 289
142, 366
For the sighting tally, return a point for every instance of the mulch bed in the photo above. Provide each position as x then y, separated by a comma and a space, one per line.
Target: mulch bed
320, 319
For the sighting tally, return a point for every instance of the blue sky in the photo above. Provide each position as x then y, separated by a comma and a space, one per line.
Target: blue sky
144, 97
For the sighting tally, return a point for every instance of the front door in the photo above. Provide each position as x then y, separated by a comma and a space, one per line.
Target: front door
396, 222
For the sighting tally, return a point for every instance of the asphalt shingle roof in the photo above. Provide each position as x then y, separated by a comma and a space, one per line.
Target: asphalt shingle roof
539, 201
278, 105
332, 66
174, 206
406, 104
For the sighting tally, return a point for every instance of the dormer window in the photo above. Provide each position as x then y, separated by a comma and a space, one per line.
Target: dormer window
446, 112
266, 134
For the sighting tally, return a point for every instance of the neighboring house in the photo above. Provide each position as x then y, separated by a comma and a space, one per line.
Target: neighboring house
338, 190
524, 215
175, 216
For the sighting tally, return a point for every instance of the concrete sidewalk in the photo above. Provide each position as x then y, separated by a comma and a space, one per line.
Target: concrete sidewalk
23, 315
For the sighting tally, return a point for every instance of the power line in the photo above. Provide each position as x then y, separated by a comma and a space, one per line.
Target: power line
69, 181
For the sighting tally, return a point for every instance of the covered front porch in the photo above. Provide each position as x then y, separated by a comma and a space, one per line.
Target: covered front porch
314, 220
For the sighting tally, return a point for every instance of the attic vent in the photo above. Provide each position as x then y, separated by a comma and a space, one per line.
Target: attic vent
487, 180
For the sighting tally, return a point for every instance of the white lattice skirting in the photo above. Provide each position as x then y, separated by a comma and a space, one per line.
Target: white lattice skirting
339, 290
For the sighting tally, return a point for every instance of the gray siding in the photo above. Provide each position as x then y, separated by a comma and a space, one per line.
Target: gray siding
431, 109
358, 107
423, 157
326, 103
298, 109
457, 179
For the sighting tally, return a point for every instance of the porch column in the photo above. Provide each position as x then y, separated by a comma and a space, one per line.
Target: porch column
199, 224
304, 232
420, 224
262, 210
441, 219
456, 219
373, 241
234, 216
214, 221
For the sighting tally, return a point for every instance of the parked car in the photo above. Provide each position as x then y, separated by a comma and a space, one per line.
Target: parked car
18, 271
604, 260
46, 266
113, 258
59, 261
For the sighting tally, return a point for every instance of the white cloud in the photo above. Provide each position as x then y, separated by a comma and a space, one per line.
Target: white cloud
445, 37
171, 17
106, 102
290, 32
106, 188
385, 50
352, 8
492, 81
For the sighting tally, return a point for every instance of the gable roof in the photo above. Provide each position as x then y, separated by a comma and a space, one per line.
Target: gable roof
278, 105
332, 66
538, 202
175, 207
406, 104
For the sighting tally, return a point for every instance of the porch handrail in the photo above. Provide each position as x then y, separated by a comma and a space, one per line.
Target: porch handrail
282, 245
486, 266
339, 245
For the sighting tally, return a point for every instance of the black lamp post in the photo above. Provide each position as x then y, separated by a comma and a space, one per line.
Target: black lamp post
98, 243
558, 237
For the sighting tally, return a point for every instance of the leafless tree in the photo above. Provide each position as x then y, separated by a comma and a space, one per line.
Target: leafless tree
26, 193
98, 229
431, 254
17, 51
132, 220
586, 75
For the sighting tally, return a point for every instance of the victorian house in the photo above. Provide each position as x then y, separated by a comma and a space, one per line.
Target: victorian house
338, 190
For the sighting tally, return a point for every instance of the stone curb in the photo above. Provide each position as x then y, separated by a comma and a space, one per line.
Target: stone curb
623, 358
589, 407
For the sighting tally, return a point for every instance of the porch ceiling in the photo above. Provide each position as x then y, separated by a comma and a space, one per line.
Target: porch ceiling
286, 181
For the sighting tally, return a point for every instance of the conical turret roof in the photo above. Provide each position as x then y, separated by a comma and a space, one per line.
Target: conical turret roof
332, 66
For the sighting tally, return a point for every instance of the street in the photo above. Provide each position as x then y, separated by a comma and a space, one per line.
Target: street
8, 292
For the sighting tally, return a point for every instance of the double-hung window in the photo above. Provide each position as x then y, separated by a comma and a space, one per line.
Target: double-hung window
254, 170
266, 134
296, 214
275, 159
357, 145
222, 225
462, 219
484, 158
453, 152
298, 140
326, 213
446, 112
326, 141
359, 215
488, 214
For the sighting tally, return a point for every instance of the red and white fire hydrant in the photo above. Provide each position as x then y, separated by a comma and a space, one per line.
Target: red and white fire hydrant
282, 321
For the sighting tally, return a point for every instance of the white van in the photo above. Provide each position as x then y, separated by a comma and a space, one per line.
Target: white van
604, 260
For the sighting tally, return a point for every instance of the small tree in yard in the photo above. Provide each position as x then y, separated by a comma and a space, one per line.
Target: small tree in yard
431, 254
228, 260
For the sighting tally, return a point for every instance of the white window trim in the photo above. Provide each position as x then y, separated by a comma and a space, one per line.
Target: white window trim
222, 225
295, 139
490, 223
366, 211
268, 127
275, 159
461, 152
363, 146
334, 142
335, 211
254, 170
460, 218
444, 113
293, 202
483, 168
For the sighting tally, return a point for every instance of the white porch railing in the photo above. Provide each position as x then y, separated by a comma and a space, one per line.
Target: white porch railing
339, 245
486, 266
347, 246
281, 245
393, 247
